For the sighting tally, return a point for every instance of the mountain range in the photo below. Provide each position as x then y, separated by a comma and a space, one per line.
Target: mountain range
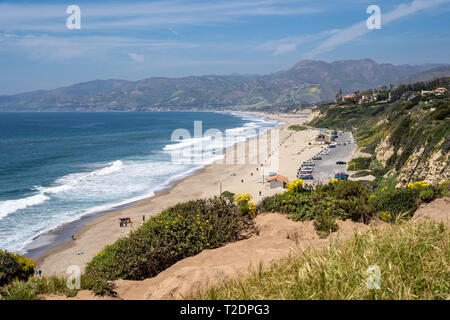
307, 82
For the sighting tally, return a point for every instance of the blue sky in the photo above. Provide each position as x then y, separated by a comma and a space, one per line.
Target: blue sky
140, 39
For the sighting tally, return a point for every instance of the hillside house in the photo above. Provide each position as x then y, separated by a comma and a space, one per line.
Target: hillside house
364, 99
425, 92
349, 97
440, 90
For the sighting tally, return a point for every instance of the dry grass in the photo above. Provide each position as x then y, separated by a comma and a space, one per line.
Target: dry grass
413, 259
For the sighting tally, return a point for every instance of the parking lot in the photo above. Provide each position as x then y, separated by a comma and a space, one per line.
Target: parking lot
326, 168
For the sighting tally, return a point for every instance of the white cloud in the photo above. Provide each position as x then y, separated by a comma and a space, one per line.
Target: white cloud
290, 44
57, 47
359, 29
106, 16
285, 48
136, 57
174, 32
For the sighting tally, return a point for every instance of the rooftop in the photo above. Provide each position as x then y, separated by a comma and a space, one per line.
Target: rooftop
278, 177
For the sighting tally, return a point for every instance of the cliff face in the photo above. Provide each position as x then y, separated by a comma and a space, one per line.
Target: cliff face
384, 151
432, 169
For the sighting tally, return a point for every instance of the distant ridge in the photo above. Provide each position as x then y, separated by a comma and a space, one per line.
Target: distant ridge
307, 82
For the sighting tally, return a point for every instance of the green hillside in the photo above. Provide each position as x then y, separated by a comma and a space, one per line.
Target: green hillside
407, 135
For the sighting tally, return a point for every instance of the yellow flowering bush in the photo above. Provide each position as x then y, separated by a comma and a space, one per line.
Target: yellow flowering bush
245, 205
14, 266
418, 185
26, 264
296, 185
242, 197
252, 208
385, 216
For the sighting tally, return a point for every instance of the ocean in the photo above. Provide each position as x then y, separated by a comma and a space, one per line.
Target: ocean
56, 168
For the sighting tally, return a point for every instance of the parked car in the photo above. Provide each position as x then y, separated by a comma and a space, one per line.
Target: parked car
317, 158
308, 163
333, 145
341, 162
341, 176
306, 177
306, 168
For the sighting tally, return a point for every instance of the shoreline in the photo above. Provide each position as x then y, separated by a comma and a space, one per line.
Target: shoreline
82, 226
100, 229
49, 239
44, 242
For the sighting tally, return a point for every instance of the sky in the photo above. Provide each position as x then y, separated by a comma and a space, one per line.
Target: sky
136, 39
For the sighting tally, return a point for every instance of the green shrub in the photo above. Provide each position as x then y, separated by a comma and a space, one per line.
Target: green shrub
427, 195
287, 202
360, 163
9, 267
302, 206
344, 189
350, 189
228, 194
351, 197
14, 266
176, 233
397, 201
443, 189
297, 127
325, 225
320, 206
357, 209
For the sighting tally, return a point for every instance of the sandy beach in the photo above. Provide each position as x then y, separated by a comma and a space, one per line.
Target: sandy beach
245, 175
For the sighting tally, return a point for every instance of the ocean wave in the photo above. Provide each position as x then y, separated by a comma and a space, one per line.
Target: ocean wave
72, 180
185, 143
10, 206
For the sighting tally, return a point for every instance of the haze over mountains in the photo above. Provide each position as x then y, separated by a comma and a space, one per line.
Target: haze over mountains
307, 82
